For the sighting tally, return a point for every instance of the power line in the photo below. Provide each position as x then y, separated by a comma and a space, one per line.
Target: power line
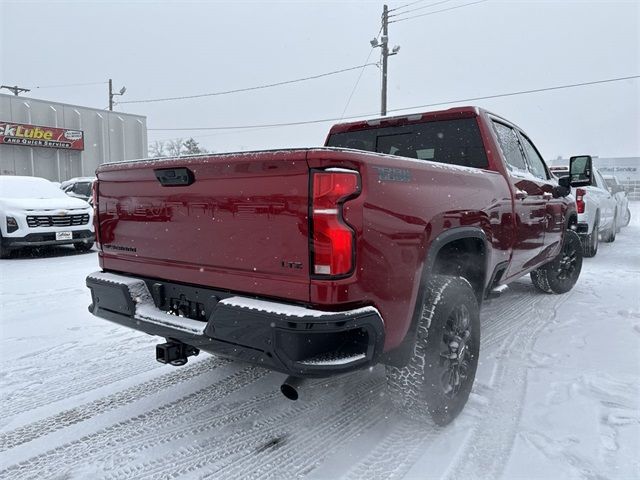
71, 85
523, 92
406, 5
419, 8
259, 87
355, 86
471, 99
438, 11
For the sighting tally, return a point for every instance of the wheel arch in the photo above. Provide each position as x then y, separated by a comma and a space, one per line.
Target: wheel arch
434, 264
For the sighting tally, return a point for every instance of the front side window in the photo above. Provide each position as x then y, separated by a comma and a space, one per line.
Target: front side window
510, 146
456, 142
536, 164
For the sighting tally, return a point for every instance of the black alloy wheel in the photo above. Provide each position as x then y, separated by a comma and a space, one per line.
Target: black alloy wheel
456, 355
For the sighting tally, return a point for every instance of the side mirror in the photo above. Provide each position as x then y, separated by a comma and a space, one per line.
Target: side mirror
581, 171
564, 187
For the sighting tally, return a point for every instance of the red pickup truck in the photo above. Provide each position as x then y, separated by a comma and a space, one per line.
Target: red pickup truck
377, 248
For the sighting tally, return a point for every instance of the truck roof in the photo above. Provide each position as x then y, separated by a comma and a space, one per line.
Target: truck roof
449, 114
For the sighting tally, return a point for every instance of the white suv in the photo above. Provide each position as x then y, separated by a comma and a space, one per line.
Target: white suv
35, 212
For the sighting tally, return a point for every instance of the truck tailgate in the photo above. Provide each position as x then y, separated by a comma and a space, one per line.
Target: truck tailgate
241, 225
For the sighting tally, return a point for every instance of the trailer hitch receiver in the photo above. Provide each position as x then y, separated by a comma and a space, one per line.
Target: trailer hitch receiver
175, 353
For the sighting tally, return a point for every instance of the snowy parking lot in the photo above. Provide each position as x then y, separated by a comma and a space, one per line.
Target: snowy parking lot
557, 393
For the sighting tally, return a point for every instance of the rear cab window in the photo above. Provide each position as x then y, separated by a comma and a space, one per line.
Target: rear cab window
454, 142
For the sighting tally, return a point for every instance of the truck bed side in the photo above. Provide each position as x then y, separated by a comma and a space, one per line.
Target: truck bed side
404, 207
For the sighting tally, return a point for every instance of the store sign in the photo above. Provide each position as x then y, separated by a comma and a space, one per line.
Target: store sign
38, 136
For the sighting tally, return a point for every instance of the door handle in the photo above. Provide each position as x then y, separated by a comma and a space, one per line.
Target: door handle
521, 194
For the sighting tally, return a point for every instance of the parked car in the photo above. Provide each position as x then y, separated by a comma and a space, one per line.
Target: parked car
598, 214
318, 261
79, 187
34, 212
622, 200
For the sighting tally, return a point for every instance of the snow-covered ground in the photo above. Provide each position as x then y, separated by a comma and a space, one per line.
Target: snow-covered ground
557, 393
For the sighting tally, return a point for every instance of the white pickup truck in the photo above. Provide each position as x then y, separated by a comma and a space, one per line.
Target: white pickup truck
598, 216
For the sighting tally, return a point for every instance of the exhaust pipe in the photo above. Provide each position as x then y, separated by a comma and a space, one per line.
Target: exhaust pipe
290, 387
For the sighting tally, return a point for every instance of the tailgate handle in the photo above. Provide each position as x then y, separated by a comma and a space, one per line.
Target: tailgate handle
175, 177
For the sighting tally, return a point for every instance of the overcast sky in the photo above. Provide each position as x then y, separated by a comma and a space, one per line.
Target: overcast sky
172, 48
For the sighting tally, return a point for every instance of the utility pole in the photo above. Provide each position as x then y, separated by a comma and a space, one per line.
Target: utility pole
111, 94
383, 43
15, 89
385, 55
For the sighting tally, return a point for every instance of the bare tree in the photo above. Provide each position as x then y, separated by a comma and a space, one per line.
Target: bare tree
175, 147
157, 149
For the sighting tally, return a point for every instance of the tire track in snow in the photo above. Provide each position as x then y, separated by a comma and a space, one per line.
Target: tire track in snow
80, 453
288, 460
85, 412
487, 452
102, 365
394, 456
208, 422
241, 448
501, 320
396, 453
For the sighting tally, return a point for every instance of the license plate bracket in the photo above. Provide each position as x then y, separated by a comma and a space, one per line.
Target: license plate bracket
64, 236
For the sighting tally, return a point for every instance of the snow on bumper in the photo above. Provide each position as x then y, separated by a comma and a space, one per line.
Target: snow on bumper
288, 338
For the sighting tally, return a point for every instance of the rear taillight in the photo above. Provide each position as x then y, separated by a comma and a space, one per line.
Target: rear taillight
580, 193
333, 244
94, 204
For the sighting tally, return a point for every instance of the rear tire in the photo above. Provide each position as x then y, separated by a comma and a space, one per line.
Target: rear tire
590, 242
83, 247
435, 384
561, 274
627, 218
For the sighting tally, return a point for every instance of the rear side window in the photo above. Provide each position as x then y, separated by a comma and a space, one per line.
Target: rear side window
510, 147
456, 142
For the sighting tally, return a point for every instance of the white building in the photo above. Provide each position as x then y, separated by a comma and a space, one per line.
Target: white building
59, 141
